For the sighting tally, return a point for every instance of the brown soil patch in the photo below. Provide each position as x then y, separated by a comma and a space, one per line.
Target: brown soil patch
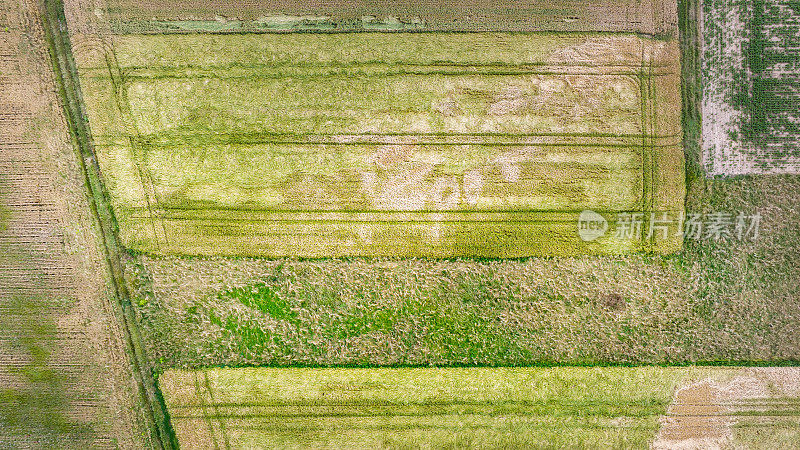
696, 415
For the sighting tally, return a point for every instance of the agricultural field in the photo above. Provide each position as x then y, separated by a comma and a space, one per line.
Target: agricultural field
384, 145
751, 87
484, 407
219, 147
181, 16
315, 224
64, 374
715, 301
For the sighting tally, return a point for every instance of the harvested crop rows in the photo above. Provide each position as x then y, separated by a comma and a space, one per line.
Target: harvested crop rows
64, 380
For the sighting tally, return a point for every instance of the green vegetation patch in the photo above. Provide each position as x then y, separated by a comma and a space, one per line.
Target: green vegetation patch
379, 312
261, 298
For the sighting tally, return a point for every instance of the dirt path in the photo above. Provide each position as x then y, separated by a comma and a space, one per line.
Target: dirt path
65, 381
696, 419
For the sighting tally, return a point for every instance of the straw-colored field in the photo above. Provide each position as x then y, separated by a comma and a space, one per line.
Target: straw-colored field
65, 376
428, 144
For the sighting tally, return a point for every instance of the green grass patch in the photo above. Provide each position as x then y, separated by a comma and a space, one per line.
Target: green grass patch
261, 297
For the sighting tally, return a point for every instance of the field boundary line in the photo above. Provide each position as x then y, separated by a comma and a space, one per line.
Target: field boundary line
68, 89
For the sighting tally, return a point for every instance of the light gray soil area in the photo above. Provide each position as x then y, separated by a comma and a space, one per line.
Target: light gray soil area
65, 381
751, 87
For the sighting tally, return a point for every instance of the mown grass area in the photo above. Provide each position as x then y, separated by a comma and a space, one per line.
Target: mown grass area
397, 408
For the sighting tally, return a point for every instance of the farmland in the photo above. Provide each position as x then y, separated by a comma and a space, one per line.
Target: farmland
64, 373
726, 300
751, 87
236, 224
180, 16
224, 151
731, 300
384, 145
544, 407
396, 407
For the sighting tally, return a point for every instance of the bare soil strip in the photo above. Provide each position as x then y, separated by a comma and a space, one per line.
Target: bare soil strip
645, 16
